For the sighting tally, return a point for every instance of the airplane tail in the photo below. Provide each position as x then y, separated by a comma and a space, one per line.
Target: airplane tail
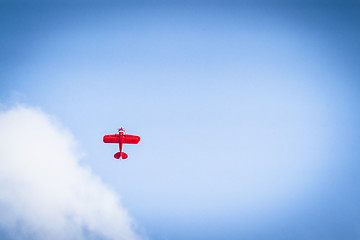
123, 155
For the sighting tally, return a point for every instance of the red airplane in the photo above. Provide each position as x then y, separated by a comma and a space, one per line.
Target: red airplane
120, 139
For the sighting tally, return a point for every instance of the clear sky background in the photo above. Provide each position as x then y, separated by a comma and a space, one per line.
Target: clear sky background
248, 114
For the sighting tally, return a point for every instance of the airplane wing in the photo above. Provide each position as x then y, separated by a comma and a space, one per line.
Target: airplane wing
131, 139
111, 139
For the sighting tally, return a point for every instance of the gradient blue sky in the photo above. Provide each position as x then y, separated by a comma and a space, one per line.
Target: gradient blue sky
248, 112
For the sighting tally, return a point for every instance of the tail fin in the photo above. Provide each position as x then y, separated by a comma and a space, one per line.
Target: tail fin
123, 155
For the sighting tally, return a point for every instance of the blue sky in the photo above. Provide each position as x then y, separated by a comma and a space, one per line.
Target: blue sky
248, 113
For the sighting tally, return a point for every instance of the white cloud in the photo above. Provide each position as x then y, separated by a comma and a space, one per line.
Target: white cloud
44, 192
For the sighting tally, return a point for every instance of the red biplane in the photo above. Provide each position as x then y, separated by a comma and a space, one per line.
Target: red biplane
121, 138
